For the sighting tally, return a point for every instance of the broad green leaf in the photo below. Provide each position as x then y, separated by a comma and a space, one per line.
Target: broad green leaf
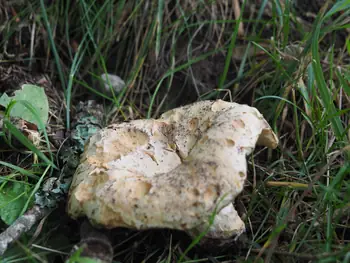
4, 100
13, 197
35, 96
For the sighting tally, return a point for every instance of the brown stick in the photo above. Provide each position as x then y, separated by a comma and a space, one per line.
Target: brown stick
22, 225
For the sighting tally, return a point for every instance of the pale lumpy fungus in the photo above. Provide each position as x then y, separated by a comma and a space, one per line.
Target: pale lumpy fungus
172, 172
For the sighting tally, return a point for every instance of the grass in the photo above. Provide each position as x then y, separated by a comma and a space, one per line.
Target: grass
292, 64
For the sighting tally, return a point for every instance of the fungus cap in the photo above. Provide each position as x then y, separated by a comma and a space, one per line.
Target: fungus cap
172, 172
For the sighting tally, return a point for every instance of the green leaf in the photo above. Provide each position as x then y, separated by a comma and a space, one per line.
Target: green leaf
13, 197
4, 100
35, 96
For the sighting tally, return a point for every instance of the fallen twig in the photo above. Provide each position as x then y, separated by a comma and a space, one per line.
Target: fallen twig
287, 184
22, 225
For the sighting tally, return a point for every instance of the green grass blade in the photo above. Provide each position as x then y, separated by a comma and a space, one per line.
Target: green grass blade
160, 13
53, 45
36, 188
326, 97
286, 24
343, 82
41, 124
20, 170
169, 73
339, 6
13, 130
230, 49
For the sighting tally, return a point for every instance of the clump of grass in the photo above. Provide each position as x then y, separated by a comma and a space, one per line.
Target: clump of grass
289, 62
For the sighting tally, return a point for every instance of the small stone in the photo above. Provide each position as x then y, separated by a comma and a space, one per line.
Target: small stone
114, 81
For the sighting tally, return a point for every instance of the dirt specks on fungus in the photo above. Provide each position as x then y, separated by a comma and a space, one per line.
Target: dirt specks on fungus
193, 124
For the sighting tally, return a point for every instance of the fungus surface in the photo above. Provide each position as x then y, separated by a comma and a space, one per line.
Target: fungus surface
172, 172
